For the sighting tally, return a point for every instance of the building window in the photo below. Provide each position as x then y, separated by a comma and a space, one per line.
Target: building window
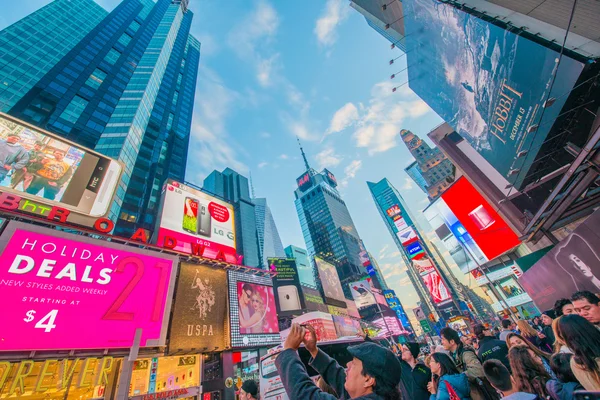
112, 56
124, 39
96, 79
74, 109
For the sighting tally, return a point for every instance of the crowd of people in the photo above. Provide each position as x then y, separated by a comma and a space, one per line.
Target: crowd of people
548, 357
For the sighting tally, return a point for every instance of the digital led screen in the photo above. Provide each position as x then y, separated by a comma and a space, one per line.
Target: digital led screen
286, 284
361, 293
330, 281
407, 236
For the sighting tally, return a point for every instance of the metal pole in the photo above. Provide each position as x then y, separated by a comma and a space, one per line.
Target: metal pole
127, 366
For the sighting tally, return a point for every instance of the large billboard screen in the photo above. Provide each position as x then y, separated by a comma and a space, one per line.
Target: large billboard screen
286, 284
194, 218
407, 236
436, 287
253, 315
488, 83
478, 217
64, 291
330, 281
572, 265
200, 310
362, 294
48, 169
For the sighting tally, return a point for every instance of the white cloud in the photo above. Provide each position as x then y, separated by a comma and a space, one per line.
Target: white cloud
208, 44
263, 164
334, 13
283, 157
343, 118
265, 70
328, 158
408, 183
298, 128
350, 172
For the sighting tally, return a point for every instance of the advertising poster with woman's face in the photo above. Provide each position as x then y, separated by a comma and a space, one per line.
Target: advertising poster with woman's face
257, 312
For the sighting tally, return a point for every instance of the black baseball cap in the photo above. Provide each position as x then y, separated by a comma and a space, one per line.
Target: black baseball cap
250, 387
381, 361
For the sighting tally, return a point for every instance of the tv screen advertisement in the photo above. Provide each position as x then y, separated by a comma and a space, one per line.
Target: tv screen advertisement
436, 287
304, 181
200, 309
407, 236
289, 298
322, 322
54, 281
330, 281
346, 327
51, 170
400, 224
330, 177
423, 266
364, 258
414, 249
252, 310
362, 294
493, 82
195, 218
572, 265
394, 211
493, 236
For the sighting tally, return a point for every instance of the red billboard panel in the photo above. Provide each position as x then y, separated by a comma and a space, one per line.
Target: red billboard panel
488, 229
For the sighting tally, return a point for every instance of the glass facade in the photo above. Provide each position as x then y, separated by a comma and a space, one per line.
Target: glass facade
327, 227
378, 273
234, 188
269, 242
414, 172
124, 87
306, 270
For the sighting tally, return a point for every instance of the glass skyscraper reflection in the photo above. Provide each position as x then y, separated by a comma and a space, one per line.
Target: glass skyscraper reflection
269, 242
121, 83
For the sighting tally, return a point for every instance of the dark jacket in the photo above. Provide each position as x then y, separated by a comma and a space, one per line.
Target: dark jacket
547, 344
493, 349
298, 384
415, 380
459, 383
562, 391
466, 361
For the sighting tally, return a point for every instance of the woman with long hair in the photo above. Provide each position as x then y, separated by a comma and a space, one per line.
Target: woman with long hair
447, 382
583, 338
255, 324
528, 371
559, 343
514, 339
530, 333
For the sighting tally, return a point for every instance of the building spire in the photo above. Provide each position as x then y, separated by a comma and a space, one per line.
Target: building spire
303, 155
253, 196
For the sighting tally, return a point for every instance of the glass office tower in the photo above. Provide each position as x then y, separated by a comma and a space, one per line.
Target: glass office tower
234, 188
306, 270
269, 242
121, 83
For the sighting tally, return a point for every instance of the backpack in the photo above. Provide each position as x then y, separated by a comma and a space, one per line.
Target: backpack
481, 388
451, 392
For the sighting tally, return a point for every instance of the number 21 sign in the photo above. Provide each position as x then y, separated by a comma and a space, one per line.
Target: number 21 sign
62, 291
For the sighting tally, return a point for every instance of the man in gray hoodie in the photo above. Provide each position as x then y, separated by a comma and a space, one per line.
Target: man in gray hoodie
502, 381
13, 156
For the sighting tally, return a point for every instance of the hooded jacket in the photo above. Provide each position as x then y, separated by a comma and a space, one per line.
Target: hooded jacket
459, 383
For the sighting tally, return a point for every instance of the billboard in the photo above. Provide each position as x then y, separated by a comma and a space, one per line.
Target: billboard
330, 281
572, 265
394, 303
322, 322
288, 299
436, 287
407, 236
486, 227
414, 249
51, 170
361, 293
393, 211
488, 83
252, 311
346, 327
364, 258
200, 310
400, 224
423, 266
304, 182
330, 177
196, 220
64, 291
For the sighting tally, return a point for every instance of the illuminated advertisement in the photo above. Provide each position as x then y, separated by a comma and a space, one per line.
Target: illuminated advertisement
322, 322
414, 250
330, 281
400, 224
252, 311
330, 177
436, 287
346, 327
423, 266
304, 182
286, 284
393, 211
200, 310
486, 227
488, 83
572, 265
391, 326
197, 222
53, 281
364, 258
407, 236
394, 303
271, 387
52, 170
165, 377
361, 293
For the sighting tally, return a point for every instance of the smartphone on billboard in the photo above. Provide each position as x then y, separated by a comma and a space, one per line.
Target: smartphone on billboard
289, 299
52, 170
190, 215
205, 221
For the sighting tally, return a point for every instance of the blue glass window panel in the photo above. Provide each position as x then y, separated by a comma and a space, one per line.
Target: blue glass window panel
73, 111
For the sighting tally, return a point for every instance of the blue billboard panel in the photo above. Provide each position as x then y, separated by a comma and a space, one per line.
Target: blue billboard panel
394, 304
414, 249
489, 84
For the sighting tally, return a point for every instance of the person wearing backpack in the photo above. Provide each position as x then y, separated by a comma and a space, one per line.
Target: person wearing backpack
466, 360
448, 383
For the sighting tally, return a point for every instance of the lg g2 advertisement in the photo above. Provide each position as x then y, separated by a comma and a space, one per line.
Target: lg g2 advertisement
194, 218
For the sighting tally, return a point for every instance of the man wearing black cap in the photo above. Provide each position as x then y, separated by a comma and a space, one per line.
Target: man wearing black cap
249, 390
491, 348
415, 375
374, 373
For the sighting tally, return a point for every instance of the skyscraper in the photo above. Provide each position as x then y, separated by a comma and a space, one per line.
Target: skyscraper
269, 242
121, 83
378, 272
233, 187
306, 270
433, 287
434, 167
327, 226
414, 172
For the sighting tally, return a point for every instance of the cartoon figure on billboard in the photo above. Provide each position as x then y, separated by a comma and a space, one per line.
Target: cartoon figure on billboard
578, 254
206, 296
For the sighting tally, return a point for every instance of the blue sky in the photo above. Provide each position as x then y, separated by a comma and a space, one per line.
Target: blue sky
274, 70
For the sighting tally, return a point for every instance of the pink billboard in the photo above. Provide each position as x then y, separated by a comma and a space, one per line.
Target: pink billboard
62, 291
